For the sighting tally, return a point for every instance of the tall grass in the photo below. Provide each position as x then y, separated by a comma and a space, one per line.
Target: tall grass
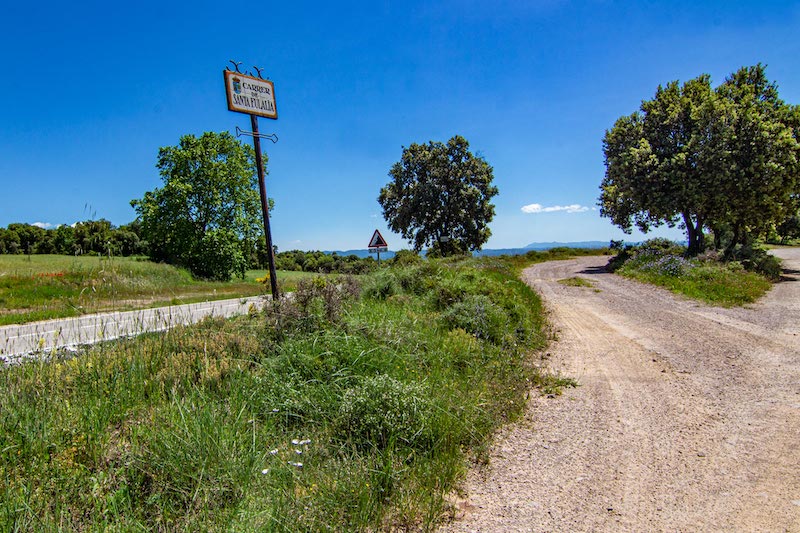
344, 409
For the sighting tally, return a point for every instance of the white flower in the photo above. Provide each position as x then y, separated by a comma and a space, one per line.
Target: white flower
299, 452
273, 452
298, 465
265, 471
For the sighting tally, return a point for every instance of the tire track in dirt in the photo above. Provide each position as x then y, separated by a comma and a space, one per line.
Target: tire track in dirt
687, 417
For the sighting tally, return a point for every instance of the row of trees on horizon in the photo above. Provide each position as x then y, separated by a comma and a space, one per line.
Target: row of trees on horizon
102, 238
89, 237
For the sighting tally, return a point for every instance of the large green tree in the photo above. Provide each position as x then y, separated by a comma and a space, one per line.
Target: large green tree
207, 214
439, 197
704, 158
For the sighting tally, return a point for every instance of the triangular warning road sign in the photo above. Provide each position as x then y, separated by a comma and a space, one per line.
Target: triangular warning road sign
377, 241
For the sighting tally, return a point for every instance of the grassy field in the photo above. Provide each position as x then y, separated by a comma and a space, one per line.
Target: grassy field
347, 409
41, 287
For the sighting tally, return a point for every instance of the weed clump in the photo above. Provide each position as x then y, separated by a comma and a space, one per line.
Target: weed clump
315, 304
477, 314
380, 410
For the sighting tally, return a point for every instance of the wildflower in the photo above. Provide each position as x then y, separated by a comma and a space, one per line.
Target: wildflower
265, 471
273, 452
292, 463
298, 442
299, 452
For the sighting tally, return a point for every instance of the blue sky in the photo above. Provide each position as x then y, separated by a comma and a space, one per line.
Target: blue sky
91, 90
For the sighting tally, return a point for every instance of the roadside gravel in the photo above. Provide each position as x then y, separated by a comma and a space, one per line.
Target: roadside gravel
687, 417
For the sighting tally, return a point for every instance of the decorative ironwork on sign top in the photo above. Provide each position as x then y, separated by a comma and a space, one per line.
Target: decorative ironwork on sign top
250, 94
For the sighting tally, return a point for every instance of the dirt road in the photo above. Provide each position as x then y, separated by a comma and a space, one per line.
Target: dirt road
687, 417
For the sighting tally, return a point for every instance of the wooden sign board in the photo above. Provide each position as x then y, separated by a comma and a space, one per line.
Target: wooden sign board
250, 95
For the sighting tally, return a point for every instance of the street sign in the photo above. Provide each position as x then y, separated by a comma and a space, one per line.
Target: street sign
250, 95
379, 250
377, 241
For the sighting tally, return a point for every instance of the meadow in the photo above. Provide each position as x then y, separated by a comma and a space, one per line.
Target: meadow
357, 405
41, 287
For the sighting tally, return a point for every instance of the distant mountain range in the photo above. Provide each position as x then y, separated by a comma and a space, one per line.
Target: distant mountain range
493, 252
579, 244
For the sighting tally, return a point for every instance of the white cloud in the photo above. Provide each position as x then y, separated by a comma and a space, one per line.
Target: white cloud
539, 208
43, 225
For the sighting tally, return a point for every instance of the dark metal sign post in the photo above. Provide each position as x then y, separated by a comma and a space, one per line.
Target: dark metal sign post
262, 188
255, 96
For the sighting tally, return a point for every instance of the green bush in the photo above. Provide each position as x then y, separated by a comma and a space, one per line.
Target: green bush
380, 410
381, 285
477, 314
758, 260
405, 258
315, 303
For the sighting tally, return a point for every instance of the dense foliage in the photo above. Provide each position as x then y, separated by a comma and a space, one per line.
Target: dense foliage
207, 216
439, 197
90, 237
316, 261
725, 159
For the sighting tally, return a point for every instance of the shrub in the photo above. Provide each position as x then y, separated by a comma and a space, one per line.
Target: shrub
767, 265
665, 265
661, 245
658, 256
381, 410
479, 316
757, 259
381, 286
405, 258
314, 303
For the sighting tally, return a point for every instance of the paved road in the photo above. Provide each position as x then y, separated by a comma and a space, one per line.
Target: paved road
18, 340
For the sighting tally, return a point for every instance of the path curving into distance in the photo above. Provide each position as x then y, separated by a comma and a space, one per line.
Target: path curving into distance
687, 417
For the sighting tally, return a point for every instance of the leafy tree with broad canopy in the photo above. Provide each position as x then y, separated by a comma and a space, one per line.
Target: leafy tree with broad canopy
439, 196
207, 215
725, 159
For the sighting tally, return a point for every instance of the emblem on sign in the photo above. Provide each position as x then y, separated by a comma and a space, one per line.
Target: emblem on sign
250, 95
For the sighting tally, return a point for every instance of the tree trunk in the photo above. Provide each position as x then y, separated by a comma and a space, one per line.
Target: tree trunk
735, 239
694, 231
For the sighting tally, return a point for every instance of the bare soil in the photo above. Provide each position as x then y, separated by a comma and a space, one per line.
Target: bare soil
687, 417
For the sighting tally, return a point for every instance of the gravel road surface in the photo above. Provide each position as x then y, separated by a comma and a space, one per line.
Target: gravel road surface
687, 417
18, 340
